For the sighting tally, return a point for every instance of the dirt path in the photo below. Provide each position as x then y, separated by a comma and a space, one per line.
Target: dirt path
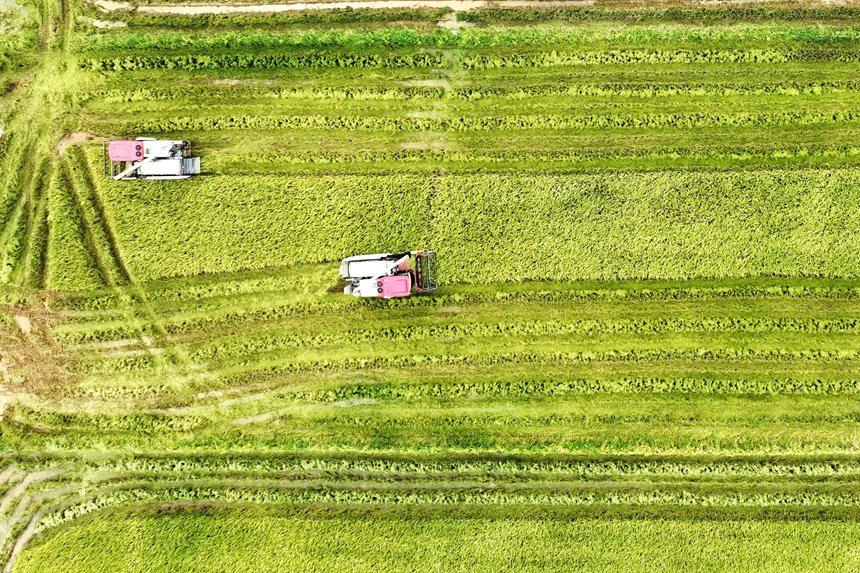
22, 541
72, 138
32, 478
456, 5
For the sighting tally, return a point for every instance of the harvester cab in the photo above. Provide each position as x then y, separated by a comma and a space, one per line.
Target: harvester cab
387, 275
148, 158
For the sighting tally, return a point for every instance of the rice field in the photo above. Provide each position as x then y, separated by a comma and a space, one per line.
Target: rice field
643, 355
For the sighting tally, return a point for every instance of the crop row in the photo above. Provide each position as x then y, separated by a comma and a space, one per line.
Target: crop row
23, 206
437, 38
633, 90
328, 17
650, 90
638, 57
93, 330
283, 494
234, 93
752, 13
353, 40
177, 322
274, 360
469, 124
262, 61
140, 423
564, 385
764, 468
556, 386
268, 341
104, 327
458, 472
779, 150
122, 363
428, 60
286, 364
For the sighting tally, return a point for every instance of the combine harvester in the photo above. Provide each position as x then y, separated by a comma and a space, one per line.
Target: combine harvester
386, 275
148, 158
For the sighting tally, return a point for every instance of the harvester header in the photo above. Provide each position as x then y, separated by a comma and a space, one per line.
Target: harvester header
388, 275
148, 158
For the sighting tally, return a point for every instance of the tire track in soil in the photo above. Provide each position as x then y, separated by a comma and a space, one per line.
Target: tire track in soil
152, 335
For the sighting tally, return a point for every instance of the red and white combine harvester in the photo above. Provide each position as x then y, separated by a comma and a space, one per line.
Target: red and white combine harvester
148, 158
386, 275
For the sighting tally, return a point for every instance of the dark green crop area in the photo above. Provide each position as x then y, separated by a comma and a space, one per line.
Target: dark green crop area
644, 355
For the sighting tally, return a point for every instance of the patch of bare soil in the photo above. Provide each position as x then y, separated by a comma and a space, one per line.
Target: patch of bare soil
449, 22
344, 403
105, 345
101, 24
30, 360
23, 324
442, 83
354, 402
427, 114
423, 145
255, 419
234, 82
111, 6
72, 138
5, 400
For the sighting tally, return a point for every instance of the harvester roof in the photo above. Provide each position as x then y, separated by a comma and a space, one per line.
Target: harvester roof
125, 150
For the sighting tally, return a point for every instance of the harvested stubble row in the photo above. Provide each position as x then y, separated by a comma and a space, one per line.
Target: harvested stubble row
688, 484
543, 60
545, 122
743, 13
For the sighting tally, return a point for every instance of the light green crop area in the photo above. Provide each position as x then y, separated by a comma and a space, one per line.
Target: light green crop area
492, 228
150, 541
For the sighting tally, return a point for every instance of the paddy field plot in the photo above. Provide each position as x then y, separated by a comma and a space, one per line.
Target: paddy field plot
645, 349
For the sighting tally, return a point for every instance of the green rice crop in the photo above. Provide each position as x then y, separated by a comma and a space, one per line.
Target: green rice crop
657, 226
283, 221
248, 540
